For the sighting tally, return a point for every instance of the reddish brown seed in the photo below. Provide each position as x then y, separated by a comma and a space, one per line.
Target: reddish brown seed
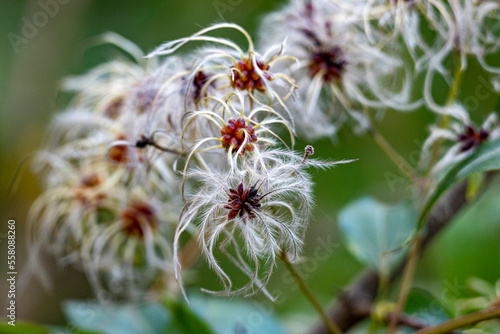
330, 63
199, 81
135, 216
243, 202
121, 154
472, 137
237, 133
113, 110
246, 78
118, 154
90, 180
88, 192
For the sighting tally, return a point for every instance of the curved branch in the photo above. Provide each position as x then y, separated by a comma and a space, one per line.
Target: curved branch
355, 303
463, 321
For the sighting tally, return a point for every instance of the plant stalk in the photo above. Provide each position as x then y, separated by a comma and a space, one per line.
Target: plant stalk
404, 290
397, 159
452, 96
463, 321
304, 288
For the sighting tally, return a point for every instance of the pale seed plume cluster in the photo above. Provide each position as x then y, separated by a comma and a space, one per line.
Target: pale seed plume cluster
163, 148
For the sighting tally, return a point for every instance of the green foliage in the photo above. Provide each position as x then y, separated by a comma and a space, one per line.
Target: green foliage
235, 316
119, 319
374, 232
22, 328
426, 307
205, 315
184, 320
485, 158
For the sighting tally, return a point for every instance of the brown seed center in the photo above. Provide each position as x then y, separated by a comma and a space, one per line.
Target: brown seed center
243, 202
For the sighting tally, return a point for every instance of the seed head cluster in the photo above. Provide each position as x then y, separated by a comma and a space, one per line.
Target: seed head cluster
159, 148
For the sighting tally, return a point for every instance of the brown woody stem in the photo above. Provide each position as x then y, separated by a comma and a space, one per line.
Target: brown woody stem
355, 304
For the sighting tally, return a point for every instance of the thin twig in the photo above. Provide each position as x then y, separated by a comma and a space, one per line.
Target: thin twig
356, 302
395, 157
332, 327
409, 270
463, 321
404, 290
452, 96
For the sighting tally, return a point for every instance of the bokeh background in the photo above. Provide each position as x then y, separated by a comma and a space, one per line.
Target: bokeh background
30, 74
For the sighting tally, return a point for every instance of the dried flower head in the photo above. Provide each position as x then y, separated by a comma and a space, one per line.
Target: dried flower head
472, 137
268, 212
91, 217
238, 131
470, 28
340, 70
128, 245
105, 88
463, 135
228, 67
251, 217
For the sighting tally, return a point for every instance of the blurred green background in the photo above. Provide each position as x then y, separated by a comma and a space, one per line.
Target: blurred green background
30, 73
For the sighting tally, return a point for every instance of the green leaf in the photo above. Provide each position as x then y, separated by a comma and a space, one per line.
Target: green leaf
185, 321
119, 319
420, 306
234, 316
485, 158
69, 329
426, 308
205, 315
374, 231
22, 328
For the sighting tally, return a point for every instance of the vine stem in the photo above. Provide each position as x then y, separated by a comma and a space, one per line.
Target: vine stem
397, 159
452, 95
463, 321
332, 327
410, 267
408, 273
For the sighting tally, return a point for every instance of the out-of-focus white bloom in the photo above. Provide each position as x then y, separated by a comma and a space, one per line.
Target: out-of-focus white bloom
106, 167
474, 30
90, 219
104, 89
340, 72
130, 246
126, 112
463, 135
143, 98
59, 217
401, 21
477, 30
79, 138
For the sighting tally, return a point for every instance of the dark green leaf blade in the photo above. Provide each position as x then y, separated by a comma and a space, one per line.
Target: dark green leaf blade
485, 158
